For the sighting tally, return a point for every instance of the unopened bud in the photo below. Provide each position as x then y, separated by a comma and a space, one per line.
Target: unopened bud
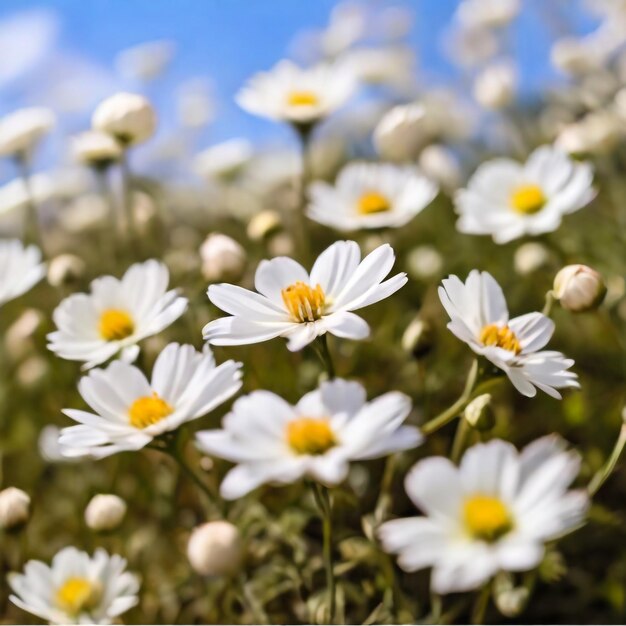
105, 512
418, 338
222, 257
65, 269
529, 257
479, 414
579, 288
215, 549
263, 224
509, 599
14, 508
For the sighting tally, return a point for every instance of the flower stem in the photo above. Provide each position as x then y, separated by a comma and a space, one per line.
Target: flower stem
547, 307
132, 240
453, 411
460, 440
31, 232
603, 473
478, 613
301, 236
322, 498
321, 347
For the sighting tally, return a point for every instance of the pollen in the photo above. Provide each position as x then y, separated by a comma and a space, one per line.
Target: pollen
116, 324
303, 98
528, 199
501, 337
373, 202
148, 410
310, 435
77, 594
304, 303
486, 517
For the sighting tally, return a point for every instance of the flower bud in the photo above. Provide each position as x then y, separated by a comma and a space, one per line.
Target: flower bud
129, 117
478, 413
529, 257
263, 224
105, 512
221, 257
96, 149
21, 131
579, 288
441, 165
418, 338
215, 549
65, 269
494, 88
14, 508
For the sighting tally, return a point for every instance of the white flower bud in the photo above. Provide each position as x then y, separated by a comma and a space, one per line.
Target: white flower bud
65, 269
579, 288
495, 86
129, 117
596, 133
424, 262
224, 160
529, 257
221, 257
441, 165
96, 149
572, 56
418, 338
14, 508
18, 338
215, 549
478, 413
21, 131
105, 512
402, 132
262, 224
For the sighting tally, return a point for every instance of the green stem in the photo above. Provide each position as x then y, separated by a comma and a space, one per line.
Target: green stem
463, 432
304, 136
602, 475
547, 307
110, 239
31, 229
450, 413
131, 228
478, 613
322, 498
321, 347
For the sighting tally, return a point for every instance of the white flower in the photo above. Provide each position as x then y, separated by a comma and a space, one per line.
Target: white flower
487, 13
96, 148
215, 548
272, 441
21, 131
130, 411
221, 256
371, 195
223, 160
20, 269
440, 164
493, 513
14, 508
494, 87
479, 317
293, 304
507, 199
402, 132
388, 65
598, 132
579, 288
116, 315
146, 61
105, 512
76, 588
296, 95
129, 117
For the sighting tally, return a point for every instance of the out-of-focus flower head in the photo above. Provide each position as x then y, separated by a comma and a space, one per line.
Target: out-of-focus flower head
440, 164
222, 257
223, 160
495, 86
96, 149
215, 549
599, 132
105, 512
488, 13
146, 61
195, 103
392, 66
20, 269
128, 117
22, 130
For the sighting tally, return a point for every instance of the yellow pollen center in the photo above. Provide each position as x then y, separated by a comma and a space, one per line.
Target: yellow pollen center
310, 435
77, 594
528, 199
486, 517
303, 98
148, 410
373, 202
304, 303
501, 337
116, 324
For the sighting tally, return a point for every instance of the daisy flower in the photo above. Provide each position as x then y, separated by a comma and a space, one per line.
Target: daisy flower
507, 199
20, 269
129, 411
298, 96
272, 441
479, 316
116, 315
371, 195
494, 512
293, 304
76, 588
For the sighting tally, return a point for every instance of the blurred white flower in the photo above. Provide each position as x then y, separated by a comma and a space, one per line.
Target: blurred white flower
215, 548
370, 195
579, 288
507, 199
195, 104
495, 86
317, 438
596, 133
130, 411
14, 508
96, 149
402, 132
146, 61
222, 257
19, 336
530, 256
76, 588
479, 316
488, 13
20, 269
223, 160
262, 224
424, 262
49, 448
347, 24
440, 164
299, 96
22, 130
572, 56
116, 315
301, 307
65, 269
495, 512
471, 46
392, 66
105, 512
129, 117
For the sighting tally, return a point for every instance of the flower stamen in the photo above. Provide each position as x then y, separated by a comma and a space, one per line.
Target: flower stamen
310, 435
77, 594
148, 410
115, 325
303, 98
373, 202
501, 337
304, 303
528, 199
486, 517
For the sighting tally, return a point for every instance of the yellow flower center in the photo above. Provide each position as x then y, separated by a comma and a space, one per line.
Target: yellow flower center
77, 594
148, 410
303, 98
500, 336
528, 199
304, 303
116, 324
310, 435
373, 202
486, 517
